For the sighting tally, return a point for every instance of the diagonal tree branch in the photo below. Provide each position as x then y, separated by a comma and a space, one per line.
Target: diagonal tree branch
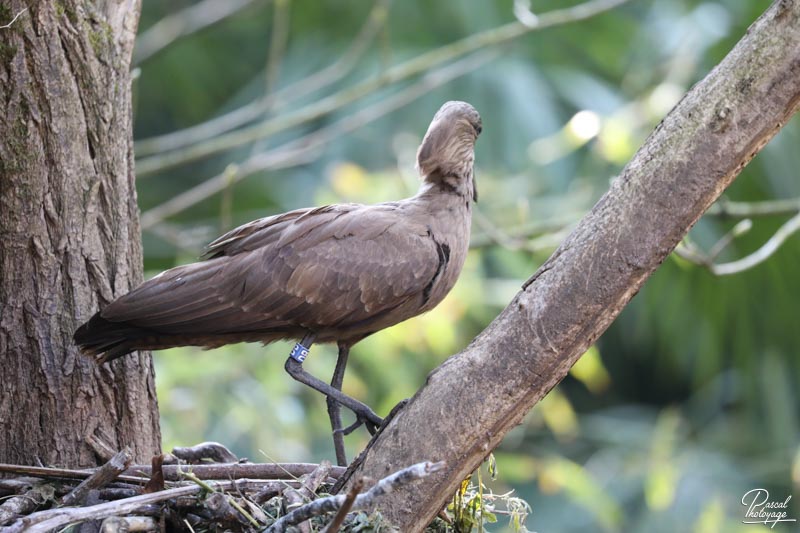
472, 400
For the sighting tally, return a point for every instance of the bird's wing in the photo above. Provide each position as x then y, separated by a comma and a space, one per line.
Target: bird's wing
265, 232
327, 267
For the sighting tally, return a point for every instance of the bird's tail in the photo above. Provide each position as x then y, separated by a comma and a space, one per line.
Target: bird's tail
105, 340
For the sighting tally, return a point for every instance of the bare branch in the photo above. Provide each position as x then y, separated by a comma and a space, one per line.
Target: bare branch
23, 10
329, 104
303, 149
726, 208
277, 44
742, 227
251, 111
185, 22
695, 256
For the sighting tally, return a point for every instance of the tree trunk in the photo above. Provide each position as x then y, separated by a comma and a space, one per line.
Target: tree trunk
69, 232
470, 402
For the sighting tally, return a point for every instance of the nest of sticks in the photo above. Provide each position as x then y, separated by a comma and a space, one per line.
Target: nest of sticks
201, 488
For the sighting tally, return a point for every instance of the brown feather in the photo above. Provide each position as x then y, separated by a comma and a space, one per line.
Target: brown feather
339, 271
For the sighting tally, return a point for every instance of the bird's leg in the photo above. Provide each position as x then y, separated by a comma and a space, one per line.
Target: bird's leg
334, 409
294, 367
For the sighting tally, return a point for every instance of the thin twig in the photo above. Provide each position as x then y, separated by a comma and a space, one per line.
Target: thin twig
522, 10
413, 67
182, 23
367, 500
298, 497
726, 208
302, 150
543, 228
277, 44
762, 254
347, 505
3, 27
292, 92
236, 470
693, 255
741, 227
62, 473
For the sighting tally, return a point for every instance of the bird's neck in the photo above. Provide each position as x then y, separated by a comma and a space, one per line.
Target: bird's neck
461, 188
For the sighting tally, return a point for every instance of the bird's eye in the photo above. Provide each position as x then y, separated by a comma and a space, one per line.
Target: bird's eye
478, 129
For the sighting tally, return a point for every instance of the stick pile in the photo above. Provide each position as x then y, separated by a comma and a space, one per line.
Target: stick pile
229, 495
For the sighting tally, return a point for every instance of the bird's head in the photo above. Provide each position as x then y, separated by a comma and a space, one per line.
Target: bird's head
447, 151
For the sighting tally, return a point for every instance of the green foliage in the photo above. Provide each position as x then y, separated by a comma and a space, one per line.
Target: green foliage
474, 506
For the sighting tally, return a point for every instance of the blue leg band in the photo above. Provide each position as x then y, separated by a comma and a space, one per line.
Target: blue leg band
299, 353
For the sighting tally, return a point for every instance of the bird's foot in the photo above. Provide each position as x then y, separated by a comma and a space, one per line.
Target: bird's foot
371, 423
363, 413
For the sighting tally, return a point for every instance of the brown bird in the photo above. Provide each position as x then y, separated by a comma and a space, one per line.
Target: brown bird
336, 273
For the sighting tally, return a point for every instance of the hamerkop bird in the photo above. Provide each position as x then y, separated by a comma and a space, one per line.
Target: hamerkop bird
336, 273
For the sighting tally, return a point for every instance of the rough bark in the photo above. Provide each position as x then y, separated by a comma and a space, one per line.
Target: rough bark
69, 232
471, 401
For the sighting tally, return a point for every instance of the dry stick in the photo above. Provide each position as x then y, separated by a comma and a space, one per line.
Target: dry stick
62, 473
99, 445
213, 451
45, 521
20, 484
299, 150
100, 478
220, 505
124, 524
367, 500
329, 104
337, 521
297, 497
236, 470
249, 112
21, 505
